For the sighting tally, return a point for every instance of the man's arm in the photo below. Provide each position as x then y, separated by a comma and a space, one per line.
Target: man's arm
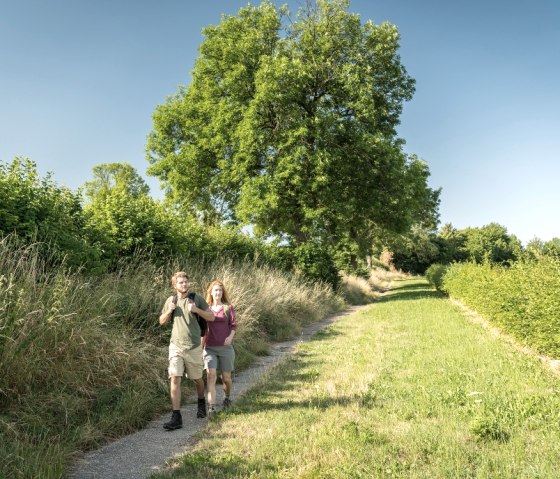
164, 317
206, 314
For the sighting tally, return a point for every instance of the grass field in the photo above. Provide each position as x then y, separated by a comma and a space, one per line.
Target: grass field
408, 387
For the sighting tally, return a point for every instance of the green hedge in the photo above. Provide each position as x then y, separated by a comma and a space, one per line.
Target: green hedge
521, 299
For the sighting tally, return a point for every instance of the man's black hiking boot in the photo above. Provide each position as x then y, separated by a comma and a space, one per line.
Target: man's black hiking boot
227, 403
176, 421
201, 410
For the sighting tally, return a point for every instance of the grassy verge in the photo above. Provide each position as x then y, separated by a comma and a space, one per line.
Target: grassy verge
406, 388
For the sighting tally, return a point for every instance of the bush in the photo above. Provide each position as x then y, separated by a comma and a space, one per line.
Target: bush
521, 299
37, 210
434, 274
315, 263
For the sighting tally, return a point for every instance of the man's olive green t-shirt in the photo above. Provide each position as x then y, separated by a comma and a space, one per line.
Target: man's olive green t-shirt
186, 331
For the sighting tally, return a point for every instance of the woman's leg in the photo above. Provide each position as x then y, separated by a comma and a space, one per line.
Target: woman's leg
228, 383
211, 385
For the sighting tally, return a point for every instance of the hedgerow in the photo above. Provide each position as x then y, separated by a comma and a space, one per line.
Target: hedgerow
520, 299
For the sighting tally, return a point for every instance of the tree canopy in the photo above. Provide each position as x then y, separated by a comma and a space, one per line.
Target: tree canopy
289, 125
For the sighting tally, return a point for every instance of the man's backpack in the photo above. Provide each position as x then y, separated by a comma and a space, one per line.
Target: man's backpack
201, 321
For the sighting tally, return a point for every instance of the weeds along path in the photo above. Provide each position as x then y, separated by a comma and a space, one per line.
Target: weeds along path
139, 455
407, 387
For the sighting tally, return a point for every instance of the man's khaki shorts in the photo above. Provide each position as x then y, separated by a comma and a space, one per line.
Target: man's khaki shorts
187, 362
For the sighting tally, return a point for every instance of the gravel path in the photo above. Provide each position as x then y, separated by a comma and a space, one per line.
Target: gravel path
139, 455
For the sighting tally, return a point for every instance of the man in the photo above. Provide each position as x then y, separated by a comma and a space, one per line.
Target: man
185, 349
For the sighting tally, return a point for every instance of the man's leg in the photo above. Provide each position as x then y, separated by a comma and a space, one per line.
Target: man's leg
199, 383
175, 390
195, 368
176, 421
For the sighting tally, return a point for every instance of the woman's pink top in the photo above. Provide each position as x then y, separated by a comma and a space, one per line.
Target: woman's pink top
219, 329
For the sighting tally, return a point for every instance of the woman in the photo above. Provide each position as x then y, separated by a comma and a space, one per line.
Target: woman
218, 348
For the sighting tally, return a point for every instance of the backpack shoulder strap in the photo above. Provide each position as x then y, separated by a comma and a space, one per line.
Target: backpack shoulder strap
227, 312
200, 319
174, 300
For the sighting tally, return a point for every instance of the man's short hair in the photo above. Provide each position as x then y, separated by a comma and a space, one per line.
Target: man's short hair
177, 275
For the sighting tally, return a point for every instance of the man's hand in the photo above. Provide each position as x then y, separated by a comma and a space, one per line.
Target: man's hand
165, 316
192, 306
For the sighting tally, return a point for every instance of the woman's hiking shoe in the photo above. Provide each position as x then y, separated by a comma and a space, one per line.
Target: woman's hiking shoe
211, 411
201, 410
227, 403
176, 421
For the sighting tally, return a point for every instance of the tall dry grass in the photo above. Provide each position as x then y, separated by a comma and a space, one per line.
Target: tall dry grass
357, 290
84, 359
70, 374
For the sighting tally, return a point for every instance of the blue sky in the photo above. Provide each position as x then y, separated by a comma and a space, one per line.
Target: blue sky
79, 81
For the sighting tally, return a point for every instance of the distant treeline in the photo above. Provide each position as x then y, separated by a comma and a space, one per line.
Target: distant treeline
490, 244
113, 218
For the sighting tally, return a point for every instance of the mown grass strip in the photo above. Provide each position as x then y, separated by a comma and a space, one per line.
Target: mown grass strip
408, 387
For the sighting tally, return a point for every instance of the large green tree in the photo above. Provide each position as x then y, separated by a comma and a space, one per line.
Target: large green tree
290, 125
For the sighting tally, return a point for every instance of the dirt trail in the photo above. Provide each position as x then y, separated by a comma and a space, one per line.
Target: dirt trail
144, 452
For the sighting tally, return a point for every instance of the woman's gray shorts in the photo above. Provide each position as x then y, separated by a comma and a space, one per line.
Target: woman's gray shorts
219, 357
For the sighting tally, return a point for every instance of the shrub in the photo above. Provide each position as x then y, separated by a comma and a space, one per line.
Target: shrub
434, 274
315, 263
37, 210
521, 299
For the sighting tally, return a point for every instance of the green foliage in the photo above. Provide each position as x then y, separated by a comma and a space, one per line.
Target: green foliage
316, 264
123, 219
552, 248
489, 429
434, 274
537, 248
38, 210
414, 251
451, 245
290, 126
520, 299
110, 176
491, 243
